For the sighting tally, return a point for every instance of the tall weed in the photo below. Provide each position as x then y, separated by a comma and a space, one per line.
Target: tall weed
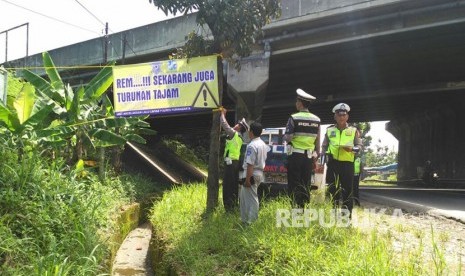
221, 245
53, 222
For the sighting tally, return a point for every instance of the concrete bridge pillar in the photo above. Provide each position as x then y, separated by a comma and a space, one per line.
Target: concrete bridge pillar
436, 135
450, 162
247, 86
401, 131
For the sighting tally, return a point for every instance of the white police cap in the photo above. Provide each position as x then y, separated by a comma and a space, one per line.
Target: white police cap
341, 107
244, 124
304, 95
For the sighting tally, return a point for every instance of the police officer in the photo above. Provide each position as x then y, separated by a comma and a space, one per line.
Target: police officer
254, 163
302, 136
232, 152
340, 144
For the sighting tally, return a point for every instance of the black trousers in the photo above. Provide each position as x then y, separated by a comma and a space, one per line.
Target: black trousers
356, 184
231, 186
339, 177
299, 171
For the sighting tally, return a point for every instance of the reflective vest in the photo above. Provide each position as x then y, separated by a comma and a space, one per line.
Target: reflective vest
306, 127
337, 139
232, 147
357, 166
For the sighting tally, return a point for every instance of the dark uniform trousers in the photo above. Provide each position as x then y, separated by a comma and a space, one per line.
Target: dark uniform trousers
299, 171
344, 170
231, 185
355, 185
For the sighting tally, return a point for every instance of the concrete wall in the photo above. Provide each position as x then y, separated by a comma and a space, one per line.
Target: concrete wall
295, 8
436, 135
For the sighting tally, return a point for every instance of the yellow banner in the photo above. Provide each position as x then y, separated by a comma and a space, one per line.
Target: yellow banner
166, 87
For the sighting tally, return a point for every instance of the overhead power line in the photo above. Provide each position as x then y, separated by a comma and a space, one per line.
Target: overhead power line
93, 15
50, 17
104, 24
70, 24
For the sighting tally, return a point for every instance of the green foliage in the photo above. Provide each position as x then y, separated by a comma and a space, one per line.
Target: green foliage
50, 114
24, 112
364, 128
192, 156
15, 84
220, 245
78, 112
373, 158
56, 222
236, 25
392, 177
380, 157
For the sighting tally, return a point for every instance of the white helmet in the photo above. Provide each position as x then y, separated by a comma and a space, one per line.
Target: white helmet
341, 107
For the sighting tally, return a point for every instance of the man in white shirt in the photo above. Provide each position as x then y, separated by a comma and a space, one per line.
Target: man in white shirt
254, 163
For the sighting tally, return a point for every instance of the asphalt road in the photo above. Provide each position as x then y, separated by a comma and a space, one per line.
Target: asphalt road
446, 202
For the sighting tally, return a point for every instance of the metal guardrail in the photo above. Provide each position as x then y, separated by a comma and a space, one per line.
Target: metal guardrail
441, 183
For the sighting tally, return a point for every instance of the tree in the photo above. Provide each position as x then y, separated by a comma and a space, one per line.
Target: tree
23, 114
236, 26
364, 128
380, 157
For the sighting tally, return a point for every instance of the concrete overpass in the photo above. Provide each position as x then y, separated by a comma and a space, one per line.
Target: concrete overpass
397, 60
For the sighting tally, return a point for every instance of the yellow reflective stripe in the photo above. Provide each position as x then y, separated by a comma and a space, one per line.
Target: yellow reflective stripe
305, 134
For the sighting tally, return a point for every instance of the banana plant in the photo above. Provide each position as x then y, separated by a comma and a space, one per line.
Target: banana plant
79, 120
23, 115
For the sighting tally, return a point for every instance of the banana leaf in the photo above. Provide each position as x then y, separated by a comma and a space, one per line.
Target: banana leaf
106, 138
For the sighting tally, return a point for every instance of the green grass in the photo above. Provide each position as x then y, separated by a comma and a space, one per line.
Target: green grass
54, 222
188, 154
220, 245
374, 183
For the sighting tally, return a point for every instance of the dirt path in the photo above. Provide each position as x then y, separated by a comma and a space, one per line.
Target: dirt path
438, 241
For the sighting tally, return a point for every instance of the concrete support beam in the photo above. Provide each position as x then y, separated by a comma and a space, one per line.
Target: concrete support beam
247, 85
434, 135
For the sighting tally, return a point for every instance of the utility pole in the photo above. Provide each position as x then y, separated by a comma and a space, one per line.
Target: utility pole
105, 46
123, 60
101, 167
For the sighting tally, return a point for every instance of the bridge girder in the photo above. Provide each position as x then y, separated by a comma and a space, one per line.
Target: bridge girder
387, 61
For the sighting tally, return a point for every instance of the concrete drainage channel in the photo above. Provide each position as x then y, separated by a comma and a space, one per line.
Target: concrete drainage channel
139, 253
134, 255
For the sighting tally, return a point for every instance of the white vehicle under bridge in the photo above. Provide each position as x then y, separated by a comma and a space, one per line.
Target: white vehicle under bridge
275, 171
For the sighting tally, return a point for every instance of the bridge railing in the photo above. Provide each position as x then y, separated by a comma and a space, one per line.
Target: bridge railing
296, 8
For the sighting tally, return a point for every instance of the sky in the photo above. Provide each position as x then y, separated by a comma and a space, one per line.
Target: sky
58, 23
382, 137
